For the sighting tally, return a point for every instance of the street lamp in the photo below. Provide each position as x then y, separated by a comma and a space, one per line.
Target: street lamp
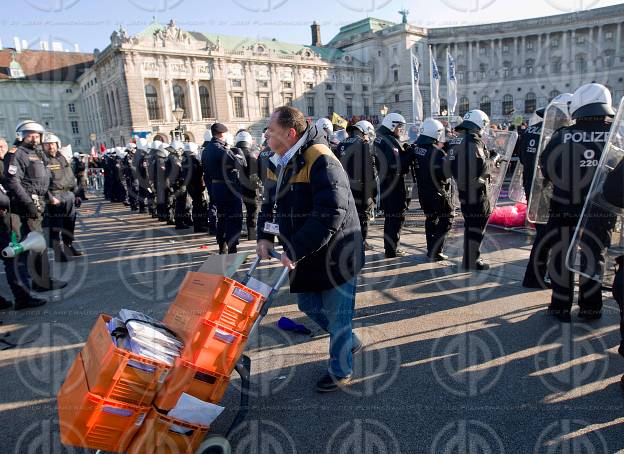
178, 114
384, 110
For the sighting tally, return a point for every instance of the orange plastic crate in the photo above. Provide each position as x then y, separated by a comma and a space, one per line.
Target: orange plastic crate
118, 374
190, 379
214, 298
90, 421
214, 348
160, 434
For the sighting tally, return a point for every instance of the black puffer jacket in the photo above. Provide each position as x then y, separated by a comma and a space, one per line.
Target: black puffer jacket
318, 222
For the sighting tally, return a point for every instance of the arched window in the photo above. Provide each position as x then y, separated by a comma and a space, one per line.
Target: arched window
464, 105
553, 94
114, 109
179, 100
530, 103
508, 105
204, 100
486, 105
151, 98
118, 105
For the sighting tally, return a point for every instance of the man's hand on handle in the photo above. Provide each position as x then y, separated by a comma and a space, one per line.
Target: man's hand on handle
262, 248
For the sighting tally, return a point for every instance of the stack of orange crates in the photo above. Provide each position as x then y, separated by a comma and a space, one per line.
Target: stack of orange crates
117, 401
212, 315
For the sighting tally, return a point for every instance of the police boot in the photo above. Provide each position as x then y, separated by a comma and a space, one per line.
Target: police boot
223, 249
28, 302
69, 247
5, 303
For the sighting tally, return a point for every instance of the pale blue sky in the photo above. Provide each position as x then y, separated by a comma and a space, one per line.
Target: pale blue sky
90, 22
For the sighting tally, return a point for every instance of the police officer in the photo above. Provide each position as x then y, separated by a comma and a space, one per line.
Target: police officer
128, 171
393, 163
139, 167
223, 166
192, 175
434, 186
62, 201
79, 168
119, 189
212, 207
178, 186
249, 181
108, 178
569, 162
27, 181
356, 156
528, 148
160, 179
470, 163
151, 166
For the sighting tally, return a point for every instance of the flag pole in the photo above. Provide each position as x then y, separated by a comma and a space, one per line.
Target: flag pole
448, 86
431, 79
413, 92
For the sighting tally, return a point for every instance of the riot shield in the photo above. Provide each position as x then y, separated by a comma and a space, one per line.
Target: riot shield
601, 223
502, 143
516, 188
556, 116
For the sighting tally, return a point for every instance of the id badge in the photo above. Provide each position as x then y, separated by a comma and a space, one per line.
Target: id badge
271, 228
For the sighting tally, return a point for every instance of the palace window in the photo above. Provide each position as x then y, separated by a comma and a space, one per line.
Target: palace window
239, 109
204, 101
151, 97
530, 103
507, 105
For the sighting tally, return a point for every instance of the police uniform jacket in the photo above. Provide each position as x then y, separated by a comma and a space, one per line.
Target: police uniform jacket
468, 159
223, 166
393, 163
432, 176
569, 162
357, 159
527, 146
25, 175
62, 177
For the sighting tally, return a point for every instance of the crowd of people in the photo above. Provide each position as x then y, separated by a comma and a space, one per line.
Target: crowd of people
315, 189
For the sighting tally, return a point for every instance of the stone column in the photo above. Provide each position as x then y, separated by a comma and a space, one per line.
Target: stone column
192, 98
523, 51
618, 41
548, 52
599, 46
572, 50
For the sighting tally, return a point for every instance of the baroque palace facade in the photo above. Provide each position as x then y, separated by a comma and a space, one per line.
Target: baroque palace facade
134, 85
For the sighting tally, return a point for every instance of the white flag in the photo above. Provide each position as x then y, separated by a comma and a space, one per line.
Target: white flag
435, 85
417, 105
451, 84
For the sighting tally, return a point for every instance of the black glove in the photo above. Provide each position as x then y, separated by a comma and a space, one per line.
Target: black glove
31, 211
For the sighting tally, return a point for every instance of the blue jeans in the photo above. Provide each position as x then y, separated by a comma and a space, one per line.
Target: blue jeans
333, 311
